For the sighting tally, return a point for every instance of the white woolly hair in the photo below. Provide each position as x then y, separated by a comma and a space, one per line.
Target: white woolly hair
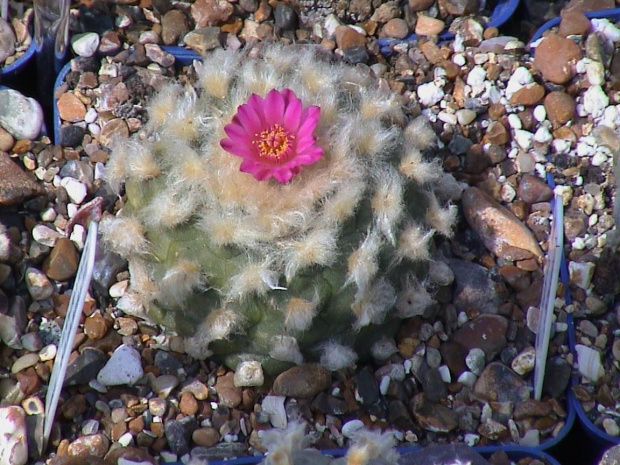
169, 208
441, 219
286, 349
387, 201
181, 118
317, 247
254, 278
180, 280
281, 444
124, 234
220, 226
116, 166
141, 283
139, 161
420, 134
368, 445
188, 169
219, 324
335, 356
256, 78
413, 299
215, 77
413, 165
363, 263
373, 305
414, 243
342, 205
299, 313
371, 139
376, 103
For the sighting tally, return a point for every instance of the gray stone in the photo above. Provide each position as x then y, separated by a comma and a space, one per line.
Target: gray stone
85, 367
21, 116
498, 382
107, 266
473, 288
7, 40
179, 434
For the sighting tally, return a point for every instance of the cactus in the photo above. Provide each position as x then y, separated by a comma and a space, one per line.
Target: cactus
316, 262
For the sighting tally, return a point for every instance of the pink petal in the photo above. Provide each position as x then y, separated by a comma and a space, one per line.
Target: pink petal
249, 119
310, 119
256, 103
237, 133
235, 148
274, 108
292, 116
283, 175
307, 158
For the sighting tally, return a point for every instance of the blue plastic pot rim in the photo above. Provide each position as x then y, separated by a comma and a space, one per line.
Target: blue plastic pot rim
502, 13
599, 14
15, 67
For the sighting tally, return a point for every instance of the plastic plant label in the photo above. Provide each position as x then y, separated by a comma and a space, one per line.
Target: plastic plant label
67, 337
550, 286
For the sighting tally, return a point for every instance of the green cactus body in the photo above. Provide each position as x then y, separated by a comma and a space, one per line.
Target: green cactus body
257, 270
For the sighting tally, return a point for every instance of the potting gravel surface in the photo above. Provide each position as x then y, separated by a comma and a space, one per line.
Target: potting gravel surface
462, 372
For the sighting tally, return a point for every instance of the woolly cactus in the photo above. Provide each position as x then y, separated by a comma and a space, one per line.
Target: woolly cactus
282, 211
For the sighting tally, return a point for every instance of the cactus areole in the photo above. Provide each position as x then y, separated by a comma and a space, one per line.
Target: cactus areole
313, 246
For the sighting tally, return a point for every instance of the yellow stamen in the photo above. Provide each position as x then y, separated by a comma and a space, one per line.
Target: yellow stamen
273, 143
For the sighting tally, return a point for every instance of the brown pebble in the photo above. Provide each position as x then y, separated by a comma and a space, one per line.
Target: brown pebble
94, 444
6, 140
556, 57
560, 107
136, 425
205, 437
71, 108
62, 263
528, 95
95, 327
496, 134
29, 382
302, 381
118, 430
395, 28
574, 22
496, 111
432, 52
347, 37
188, 404
210, 12
490, 33
420, 5
427, 26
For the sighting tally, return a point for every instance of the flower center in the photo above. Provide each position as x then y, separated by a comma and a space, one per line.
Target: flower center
273, 143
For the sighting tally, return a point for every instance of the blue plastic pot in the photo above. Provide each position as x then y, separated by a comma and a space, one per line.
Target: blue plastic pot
183, 57
501, 13
613, 14
599, 436
12, 70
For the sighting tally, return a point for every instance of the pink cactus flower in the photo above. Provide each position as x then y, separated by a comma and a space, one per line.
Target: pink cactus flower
274, 136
